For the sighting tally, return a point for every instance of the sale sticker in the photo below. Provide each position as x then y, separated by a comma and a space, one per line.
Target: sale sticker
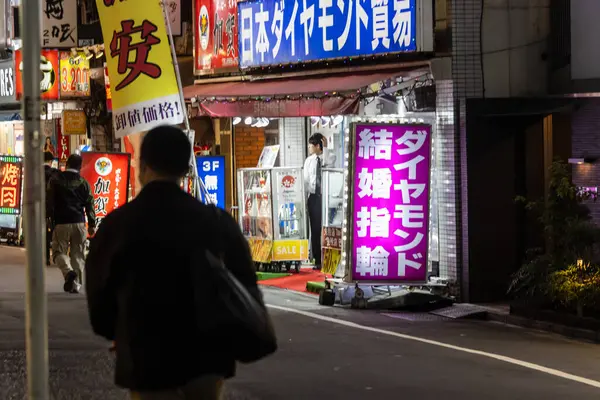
74, 75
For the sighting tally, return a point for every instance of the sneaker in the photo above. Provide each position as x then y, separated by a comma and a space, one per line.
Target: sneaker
70, 284
76, 288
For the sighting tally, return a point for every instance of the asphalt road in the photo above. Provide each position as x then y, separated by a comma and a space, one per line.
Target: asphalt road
325, 353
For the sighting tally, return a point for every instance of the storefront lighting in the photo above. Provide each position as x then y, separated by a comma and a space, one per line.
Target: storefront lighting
325, 121
99, 52
237, 120
314, 121
338, 119
88, 53
248, 120
586, 160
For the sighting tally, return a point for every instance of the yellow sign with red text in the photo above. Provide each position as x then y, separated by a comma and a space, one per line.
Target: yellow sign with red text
74, 75
290, 250
140, 66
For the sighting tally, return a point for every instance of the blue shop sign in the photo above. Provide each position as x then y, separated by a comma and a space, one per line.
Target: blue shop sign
211, 170
293, 31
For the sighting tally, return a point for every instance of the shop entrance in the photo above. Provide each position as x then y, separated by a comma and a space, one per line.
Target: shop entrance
507, 156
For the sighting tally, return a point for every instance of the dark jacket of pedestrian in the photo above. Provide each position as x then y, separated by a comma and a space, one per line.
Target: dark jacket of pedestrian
49, 174
68, 196
140, 288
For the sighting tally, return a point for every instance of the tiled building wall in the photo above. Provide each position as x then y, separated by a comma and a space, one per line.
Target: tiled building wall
447, 195
465, 81
248, 145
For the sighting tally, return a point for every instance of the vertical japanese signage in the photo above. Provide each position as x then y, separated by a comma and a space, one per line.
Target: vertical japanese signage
174, 15
216, 36
49, 74
290, 31
63, 143
7, 81
59, 23
107, 88
108, 176
391, 202
211, 171
140, 66
11, 181
74, 75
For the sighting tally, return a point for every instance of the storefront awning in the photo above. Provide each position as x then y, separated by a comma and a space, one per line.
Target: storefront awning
304, 96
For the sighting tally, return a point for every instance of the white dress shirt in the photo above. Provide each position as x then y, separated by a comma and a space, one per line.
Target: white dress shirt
310, 169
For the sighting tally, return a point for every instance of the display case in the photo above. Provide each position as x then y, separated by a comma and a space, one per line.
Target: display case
333, 196
272, 215
331, 236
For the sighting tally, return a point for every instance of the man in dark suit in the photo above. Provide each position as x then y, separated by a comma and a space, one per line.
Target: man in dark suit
139, 279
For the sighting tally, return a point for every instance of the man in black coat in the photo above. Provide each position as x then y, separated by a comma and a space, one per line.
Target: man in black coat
71, 202
49, 173
139, 281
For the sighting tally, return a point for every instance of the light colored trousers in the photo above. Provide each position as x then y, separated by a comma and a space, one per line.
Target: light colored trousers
204, 388
68, 246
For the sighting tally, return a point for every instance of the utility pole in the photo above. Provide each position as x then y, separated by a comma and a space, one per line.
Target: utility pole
34, 207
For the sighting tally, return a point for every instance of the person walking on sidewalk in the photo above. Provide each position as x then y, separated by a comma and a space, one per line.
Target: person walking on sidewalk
71, 200
139, 285
49, 173
313, 167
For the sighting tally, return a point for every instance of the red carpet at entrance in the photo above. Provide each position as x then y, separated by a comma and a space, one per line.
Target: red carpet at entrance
296, 282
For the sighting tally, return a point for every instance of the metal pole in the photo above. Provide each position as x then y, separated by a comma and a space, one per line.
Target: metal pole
198, 184
34, 210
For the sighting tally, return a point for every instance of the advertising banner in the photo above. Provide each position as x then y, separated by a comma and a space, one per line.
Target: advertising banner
11, 183
211, 170
108, 176
273, 32
260, 250
174, 14
74, 122
74, 75
140, 67
268, 156
59, 23
107, 87
49, 74
331, 252
7, 81
64, 145
290, 250
216, 36
390, 213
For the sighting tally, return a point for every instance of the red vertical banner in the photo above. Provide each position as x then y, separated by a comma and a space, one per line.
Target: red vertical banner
11, 182
108, 176
216, 33
63, 144
107, 88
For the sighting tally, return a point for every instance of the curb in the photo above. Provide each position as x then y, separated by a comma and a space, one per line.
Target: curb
575, 333
315, 287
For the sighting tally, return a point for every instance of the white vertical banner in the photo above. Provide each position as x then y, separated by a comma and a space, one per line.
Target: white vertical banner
173, 8
59, 23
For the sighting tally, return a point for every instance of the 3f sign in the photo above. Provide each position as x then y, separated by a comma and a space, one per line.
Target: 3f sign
209, 166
